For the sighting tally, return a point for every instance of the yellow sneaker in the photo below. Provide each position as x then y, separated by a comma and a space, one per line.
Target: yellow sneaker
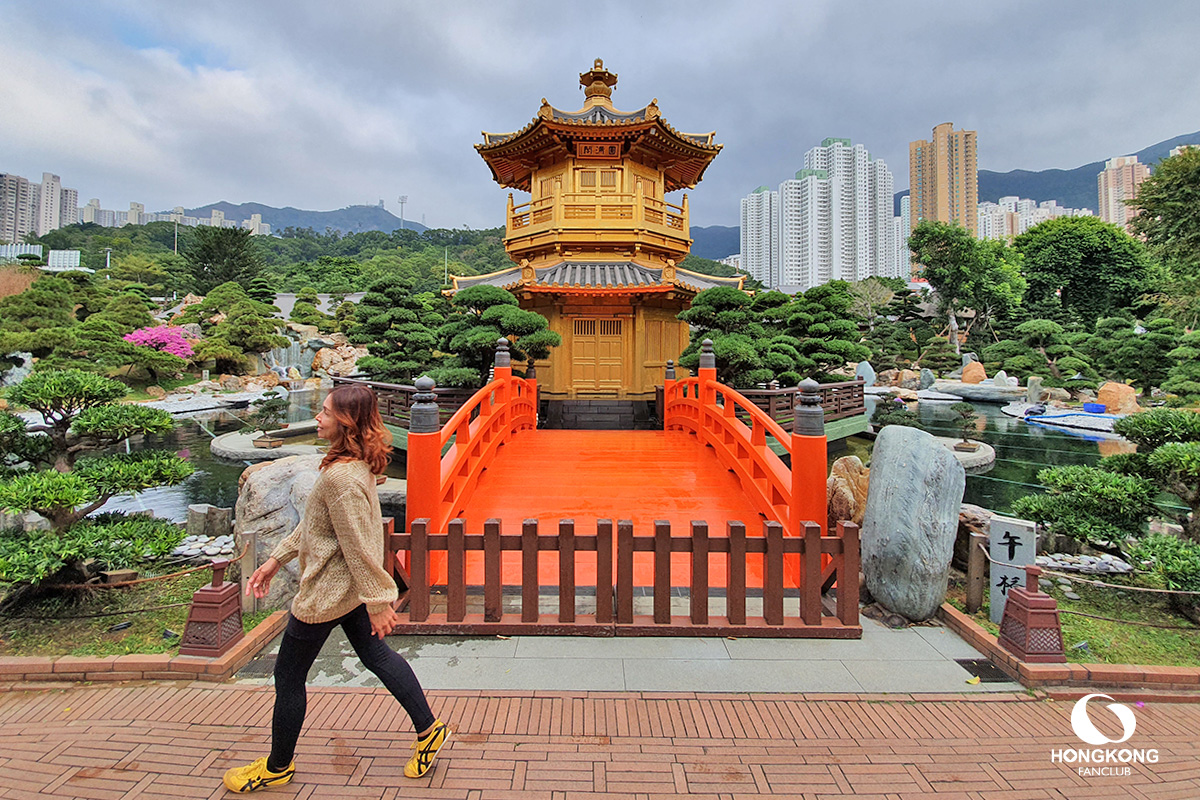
426, 750
255, 776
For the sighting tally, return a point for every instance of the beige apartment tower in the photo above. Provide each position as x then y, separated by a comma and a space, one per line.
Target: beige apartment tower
1117, 183
943, 178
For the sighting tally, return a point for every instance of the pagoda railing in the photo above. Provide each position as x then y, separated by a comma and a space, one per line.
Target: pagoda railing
580, 211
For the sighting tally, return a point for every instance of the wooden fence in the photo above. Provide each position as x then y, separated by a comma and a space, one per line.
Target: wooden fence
795, 559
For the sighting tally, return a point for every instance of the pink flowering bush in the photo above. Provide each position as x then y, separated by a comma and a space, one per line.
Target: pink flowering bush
163, 338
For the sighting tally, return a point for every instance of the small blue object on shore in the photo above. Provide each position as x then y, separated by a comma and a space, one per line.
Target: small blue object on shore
1094, 408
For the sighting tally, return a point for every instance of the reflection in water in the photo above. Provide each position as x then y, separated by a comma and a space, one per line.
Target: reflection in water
214, 481
1021, 450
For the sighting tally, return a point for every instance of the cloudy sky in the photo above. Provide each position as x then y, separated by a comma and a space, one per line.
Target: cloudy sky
319, 105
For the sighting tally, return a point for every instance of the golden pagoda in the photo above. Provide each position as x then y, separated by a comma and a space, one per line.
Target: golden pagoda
597, 246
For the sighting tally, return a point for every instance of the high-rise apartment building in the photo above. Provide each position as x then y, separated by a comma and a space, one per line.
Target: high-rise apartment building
760, 236
943, 176
1117, 183
16, 208
902, 228
836, 218
1012, 216
49, 209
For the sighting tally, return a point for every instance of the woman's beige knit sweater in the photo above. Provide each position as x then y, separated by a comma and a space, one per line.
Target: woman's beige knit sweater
340, 544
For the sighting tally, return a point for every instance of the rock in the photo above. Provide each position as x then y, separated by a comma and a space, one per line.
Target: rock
267, 380
293, 374
846, 491
910, 379
205, 522
231, 383
270, 502
1055, 395
969, 358
906, 394
971, 519
927, 378
18, 372
887, 378
1064, 582
974, 373
1070, 595
1118, 398
157, 392
865, 371
306, 332
1045, 585
1001, 378
915, 491
1033, 389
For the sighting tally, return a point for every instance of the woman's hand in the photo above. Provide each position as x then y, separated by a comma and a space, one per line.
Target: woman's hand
260, 581
383, 622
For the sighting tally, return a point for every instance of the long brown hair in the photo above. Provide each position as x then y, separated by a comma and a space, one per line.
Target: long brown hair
360, 434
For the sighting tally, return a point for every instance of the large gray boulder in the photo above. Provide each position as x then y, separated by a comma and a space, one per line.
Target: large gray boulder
270, 503
913, 498
928, 379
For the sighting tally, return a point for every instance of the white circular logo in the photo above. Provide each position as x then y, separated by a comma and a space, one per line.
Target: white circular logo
1085, 730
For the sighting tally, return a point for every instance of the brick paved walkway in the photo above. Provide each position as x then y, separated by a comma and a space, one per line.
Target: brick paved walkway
175, 740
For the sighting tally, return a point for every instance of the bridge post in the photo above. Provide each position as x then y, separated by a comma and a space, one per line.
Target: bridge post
809, 458
424, 456
668, 392
707, 373
502, 371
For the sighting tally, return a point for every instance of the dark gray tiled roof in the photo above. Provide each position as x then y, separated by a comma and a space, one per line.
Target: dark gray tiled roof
598, 274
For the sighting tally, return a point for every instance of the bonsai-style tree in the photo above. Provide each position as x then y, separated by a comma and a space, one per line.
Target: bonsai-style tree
399, 328
482, 314
51, 468
967, 418
1183, 378
892, 410
270, 411
305, 311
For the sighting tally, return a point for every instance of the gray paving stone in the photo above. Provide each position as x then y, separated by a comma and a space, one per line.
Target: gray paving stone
924, 676
669, 675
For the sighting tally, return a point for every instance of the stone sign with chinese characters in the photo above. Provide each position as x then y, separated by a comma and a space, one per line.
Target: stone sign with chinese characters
1012, 544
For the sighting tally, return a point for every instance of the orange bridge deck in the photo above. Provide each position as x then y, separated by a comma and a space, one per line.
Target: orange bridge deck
641, 476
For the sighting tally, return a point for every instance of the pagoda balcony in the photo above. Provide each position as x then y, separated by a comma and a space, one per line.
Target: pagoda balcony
567, 217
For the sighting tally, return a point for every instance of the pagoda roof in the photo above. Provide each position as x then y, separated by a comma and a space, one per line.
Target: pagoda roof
644, 134
597, 275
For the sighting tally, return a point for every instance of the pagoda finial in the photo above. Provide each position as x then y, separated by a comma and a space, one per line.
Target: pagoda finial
597, 84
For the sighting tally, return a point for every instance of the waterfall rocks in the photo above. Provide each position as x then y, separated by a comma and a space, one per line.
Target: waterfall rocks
915, 490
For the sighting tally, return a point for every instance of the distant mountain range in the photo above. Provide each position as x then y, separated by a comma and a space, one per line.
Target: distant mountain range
1072, 188
352, 219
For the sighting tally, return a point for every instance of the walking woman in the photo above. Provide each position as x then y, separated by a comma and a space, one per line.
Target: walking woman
340, 545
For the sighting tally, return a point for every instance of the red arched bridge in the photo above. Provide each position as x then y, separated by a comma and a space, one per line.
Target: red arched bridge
701, 528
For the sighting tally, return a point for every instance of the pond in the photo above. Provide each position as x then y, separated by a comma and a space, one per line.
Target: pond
1021, 450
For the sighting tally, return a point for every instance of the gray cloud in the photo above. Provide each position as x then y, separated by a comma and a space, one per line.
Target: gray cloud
319, 105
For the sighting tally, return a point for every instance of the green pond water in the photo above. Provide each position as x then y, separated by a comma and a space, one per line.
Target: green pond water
1021, 450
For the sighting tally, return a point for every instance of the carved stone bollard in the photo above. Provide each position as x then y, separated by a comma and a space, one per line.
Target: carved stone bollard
1030, 628
214, 623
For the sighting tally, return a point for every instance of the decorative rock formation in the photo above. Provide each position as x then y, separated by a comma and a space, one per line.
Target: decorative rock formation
341, 360
915, 490
974, 373
846, 491
1118, 398
928, 379
270, 502
910, 379
1033, 389
865, 371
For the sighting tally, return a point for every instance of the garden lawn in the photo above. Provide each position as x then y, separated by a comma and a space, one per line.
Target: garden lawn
60, 626
1091, 641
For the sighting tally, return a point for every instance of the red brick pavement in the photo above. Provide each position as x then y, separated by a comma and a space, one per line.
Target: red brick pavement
175, 740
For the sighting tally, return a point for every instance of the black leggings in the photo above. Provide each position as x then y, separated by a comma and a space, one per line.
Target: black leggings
302, 642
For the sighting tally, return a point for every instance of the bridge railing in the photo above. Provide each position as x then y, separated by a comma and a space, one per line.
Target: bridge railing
445, 461
737, 430
395, 399
616, 610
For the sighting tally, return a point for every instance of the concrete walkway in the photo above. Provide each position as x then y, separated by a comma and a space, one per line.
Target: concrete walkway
919, 659
175, 741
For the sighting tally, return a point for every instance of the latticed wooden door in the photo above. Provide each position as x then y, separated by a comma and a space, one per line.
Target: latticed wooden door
597, 350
